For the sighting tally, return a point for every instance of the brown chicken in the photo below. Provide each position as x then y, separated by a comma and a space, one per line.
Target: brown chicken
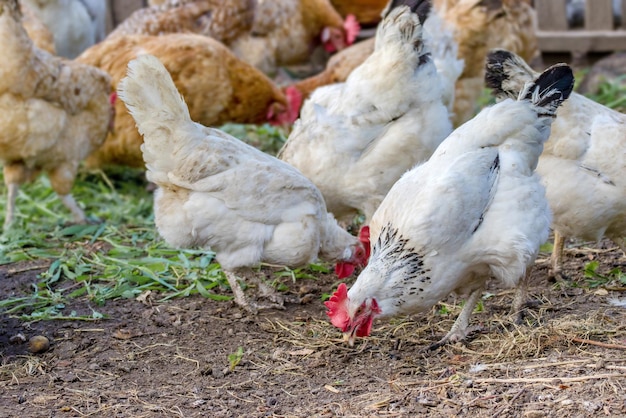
219, 19
367, 12
338, 67
478, 26
217, 86
53, 112
265, 34
37, 31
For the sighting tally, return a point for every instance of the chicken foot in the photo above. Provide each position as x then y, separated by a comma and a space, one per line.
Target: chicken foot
556, 258
621, 243
68, 200
70, 203
460, 329
11, 198
265, 291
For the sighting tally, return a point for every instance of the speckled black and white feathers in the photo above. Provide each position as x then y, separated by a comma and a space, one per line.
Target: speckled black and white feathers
395, 251
550, 89
505, 70
402, 265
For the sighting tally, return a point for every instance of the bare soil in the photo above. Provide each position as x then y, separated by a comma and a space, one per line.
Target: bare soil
150, 359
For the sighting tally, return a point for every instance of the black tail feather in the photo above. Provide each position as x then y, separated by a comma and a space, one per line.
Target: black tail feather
495, 74
552, 87
420, 7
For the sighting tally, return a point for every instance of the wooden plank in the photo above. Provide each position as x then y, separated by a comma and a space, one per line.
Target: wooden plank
581, 41
551, 15
599, 14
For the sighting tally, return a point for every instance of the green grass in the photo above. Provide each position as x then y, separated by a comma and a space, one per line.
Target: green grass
612, 94
118, 254
596, 279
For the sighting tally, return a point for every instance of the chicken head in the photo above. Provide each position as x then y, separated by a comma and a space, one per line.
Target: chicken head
335, 39
345, 269
339, 312
280, 115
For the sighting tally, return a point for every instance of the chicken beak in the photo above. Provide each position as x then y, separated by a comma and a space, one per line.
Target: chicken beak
349, 338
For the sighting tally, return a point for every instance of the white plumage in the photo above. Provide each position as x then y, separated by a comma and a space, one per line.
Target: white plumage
474, 210
583, 165
355, 139
219, 193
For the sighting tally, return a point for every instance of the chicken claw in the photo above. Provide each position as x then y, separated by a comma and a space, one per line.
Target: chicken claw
460, 329
265, 291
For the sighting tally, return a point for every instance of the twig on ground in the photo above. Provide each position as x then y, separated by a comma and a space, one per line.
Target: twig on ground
11, 272
550, 379
598, 343
500, 411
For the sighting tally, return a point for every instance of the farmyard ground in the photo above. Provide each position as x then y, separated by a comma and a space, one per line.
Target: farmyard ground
179, 358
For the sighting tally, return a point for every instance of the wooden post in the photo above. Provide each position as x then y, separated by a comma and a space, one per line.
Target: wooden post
551, 15
599, 15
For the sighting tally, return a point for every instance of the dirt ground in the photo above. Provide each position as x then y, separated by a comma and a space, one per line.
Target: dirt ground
150, 359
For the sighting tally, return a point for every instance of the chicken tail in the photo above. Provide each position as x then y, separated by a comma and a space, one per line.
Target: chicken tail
151, 97
506, 73
419, 7
402, 26
549, 90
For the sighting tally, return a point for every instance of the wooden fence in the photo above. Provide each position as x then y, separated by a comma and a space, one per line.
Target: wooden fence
599, 33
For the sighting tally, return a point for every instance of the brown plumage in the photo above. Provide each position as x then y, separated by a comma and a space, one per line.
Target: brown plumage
53, 112
479, 26
367, 12
265, 34
37, 30
338, 67
223, 20
217, 86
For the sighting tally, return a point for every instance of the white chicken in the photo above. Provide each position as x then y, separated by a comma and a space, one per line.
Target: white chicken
355, 139
217, 192
76, 24
583, 165
475, 209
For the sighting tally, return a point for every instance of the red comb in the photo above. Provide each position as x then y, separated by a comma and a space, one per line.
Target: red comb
291, 113
343, 270
366, 327
294, 100
352, 28
337, 307
113, 98
364, 237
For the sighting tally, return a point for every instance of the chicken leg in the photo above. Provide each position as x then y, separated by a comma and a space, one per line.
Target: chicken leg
521, 298
265, 291
621, 242
77, 212
11, 198
556, 259
460, 330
